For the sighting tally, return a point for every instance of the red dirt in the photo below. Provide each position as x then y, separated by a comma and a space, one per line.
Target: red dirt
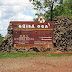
37, 64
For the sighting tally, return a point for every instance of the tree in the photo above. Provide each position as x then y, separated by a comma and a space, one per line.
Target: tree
46, 7
68, 3
0, 35
1, 39
63, 10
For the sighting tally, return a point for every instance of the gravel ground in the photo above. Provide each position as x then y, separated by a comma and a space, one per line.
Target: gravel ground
36, 64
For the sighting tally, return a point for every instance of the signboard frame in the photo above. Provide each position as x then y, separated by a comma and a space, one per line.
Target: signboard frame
35, 29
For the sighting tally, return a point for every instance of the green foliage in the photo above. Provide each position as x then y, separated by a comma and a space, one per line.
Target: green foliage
61, 9
35, 19
55, 0
45, 8
30, 54
68, 3
37, 5
1, 39
61, 1
0, 35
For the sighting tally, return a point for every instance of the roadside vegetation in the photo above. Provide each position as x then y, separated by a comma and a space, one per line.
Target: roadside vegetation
1, 39
31, 54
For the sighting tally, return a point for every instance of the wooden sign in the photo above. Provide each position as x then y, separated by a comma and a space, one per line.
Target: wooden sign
32, 34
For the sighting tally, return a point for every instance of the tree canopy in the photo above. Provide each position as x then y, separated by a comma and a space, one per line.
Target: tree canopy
64, 9
1, 39
53, 8
0, 35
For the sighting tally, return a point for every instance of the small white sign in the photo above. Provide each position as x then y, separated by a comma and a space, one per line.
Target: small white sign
41, 19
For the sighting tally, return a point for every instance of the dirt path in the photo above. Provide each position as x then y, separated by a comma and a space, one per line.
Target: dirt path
37, 64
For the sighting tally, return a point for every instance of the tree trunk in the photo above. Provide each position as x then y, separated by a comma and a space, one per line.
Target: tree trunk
51, 17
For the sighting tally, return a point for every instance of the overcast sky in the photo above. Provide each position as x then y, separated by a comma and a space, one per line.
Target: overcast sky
14, 10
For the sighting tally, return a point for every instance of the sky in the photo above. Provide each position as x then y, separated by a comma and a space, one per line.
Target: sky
15, 10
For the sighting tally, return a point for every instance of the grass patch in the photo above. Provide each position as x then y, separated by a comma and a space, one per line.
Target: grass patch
30, 54
56, 55
17, 54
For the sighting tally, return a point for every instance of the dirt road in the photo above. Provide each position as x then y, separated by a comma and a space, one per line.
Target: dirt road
36, 64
